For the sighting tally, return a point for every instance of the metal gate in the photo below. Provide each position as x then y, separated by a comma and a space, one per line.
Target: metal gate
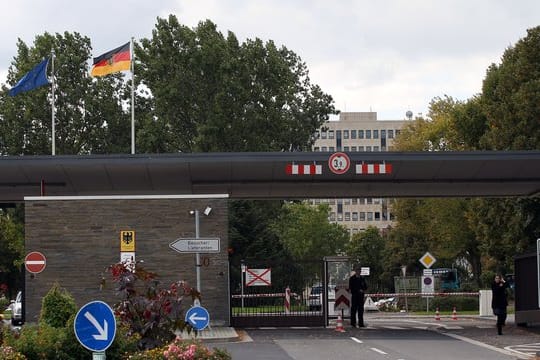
277, 293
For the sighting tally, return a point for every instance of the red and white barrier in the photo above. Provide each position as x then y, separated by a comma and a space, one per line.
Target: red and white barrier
287, 301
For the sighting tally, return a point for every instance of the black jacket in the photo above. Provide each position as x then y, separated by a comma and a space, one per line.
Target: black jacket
499, 300
357, 285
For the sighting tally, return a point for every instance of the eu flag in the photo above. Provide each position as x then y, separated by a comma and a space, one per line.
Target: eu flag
34, 78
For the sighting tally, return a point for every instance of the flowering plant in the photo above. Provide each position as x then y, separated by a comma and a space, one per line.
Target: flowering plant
8, 353
192, 350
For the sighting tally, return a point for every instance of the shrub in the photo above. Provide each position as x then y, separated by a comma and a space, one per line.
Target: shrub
8, 353
154, 314
40, 342
182, 350
57, 307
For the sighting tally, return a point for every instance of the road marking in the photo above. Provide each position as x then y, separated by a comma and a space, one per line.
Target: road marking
450, 327
486, 346
525, 349
394, 327
421, 327
356, 340
379, 351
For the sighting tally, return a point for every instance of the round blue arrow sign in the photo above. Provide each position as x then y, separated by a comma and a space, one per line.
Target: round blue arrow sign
198, 317
95, 326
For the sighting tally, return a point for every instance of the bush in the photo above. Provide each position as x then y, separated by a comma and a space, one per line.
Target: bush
8, 353
57, 307
39, 342
182, 349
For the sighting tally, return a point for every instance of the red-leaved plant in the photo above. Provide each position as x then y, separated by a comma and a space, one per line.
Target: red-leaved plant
152, 312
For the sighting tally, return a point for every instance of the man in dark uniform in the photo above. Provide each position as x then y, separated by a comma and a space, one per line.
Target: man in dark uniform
357, 287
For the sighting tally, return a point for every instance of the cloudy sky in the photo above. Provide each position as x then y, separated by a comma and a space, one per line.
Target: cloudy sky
387, 56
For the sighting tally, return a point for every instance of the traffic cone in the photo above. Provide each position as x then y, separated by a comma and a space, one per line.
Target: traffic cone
339, 324
437, 315
454, 314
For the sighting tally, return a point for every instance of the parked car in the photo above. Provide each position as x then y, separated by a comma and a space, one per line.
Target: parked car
16, 310
316, 296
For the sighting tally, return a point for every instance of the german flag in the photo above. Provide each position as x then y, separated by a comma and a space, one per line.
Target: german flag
112, 61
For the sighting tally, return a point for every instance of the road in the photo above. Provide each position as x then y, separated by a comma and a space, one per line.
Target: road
384, 339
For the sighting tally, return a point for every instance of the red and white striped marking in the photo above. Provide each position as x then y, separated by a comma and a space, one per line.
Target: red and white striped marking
310, 169
369, 169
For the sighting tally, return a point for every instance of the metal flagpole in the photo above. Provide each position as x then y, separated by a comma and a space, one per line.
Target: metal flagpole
53, 107
132, 98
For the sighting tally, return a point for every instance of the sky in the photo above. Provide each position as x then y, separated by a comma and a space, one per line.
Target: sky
388, 56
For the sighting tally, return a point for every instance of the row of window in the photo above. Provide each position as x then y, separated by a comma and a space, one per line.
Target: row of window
351, 148
361, 216
355, 201
357, 134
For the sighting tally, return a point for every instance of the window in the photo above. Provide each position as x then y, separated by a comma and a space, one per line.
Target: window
340, 217
377, 216
317, 201
375, 148
323, 135
377, 200
369, 216
362, 216
345, 148
355, 216
353, 148
353, 134
345, 134
332, 216
347, 216
383, 134
316, 148
323, 148
331, 134
368, 148
331, 149
390, 134
368, 134
360, 148
397, 132
317, 134
375, 134
369, 201
354, 201
347, 201
360, 134
361, 201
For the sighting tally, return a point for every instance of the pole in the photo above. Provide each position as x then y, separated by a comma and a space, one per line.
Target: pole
197, 255
133, 103
242, 271
53, 110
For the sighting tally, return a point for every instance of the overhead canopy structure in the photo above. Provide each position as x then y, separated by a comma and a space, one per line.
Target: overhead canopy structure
269, 175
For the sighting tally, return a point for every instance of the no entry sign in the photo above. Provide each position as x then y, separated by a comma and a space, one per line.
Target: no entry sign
35, 262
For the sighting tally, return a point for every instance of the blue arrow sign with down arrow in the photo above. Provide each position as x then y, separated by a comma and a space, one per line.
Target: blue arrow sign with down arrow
198, 317
95, 326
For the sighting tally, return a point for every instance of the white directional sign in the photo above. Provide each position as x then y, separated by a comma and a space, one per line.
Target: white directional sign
195, 245
198, 317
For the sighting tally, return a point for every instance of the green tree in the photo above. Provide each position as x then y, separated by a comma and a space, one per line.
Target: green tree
89, 115
367, 249
11, 248
306, 232
212, 93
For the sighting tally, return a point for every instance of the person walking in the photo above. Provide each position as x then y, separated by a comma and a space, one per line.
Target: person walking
499, 301
357, 287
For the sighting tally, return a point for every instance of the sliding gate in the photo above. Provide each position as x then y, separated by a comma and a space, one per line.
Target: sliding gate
285, 293
277, 293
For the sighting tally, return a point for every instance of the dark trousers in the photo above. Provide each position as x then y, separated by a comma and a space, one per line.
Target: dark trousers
357, 306
501, 319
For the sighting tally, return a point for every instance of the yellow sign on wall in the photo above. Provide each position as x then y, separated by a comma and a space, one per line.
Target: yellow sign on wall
127, 240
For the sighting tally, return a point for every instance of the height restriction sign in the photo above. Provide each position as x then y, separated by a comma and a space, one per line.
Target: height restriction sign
339, 163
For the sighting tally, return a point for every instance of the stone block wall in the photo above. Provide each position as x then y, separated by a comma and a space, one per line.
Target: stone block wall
81, 238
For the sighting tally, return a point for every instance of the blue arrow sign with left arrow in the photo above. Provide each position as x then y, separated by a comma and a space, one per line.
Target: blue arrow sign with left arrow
95, 326
198, 317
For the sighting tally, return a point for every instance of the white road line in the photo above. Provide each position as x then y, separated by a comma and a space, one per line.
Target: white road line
394, 327
486, 346
379, 351
421, 327
450, 327
356, 340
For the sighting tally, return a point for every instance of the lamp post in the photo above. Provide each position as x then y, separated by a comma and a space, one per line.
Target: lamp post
206, 212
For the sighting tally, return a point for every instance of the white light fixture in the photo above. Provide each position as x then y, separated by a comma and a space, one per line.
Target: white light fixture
207, 211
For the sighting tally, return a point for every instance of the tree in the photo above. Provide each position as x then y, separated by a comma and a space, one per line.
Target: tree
11, 248
306, 232
367, 249
211, 93
89, 115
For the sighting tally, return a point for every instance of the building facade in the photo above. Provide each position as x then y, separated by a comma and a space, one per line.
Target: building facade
358, 132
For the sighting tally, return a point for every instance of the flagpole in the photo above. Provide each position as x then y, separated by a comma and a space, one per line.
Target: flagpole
52, 103
132, 98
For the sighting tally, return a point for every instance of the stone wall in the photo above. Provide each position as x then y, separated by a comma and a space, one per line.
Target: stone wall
81, 238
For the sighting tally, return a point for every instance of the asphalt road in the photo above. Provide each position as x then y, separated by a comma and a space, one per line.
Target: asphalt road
387, 339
